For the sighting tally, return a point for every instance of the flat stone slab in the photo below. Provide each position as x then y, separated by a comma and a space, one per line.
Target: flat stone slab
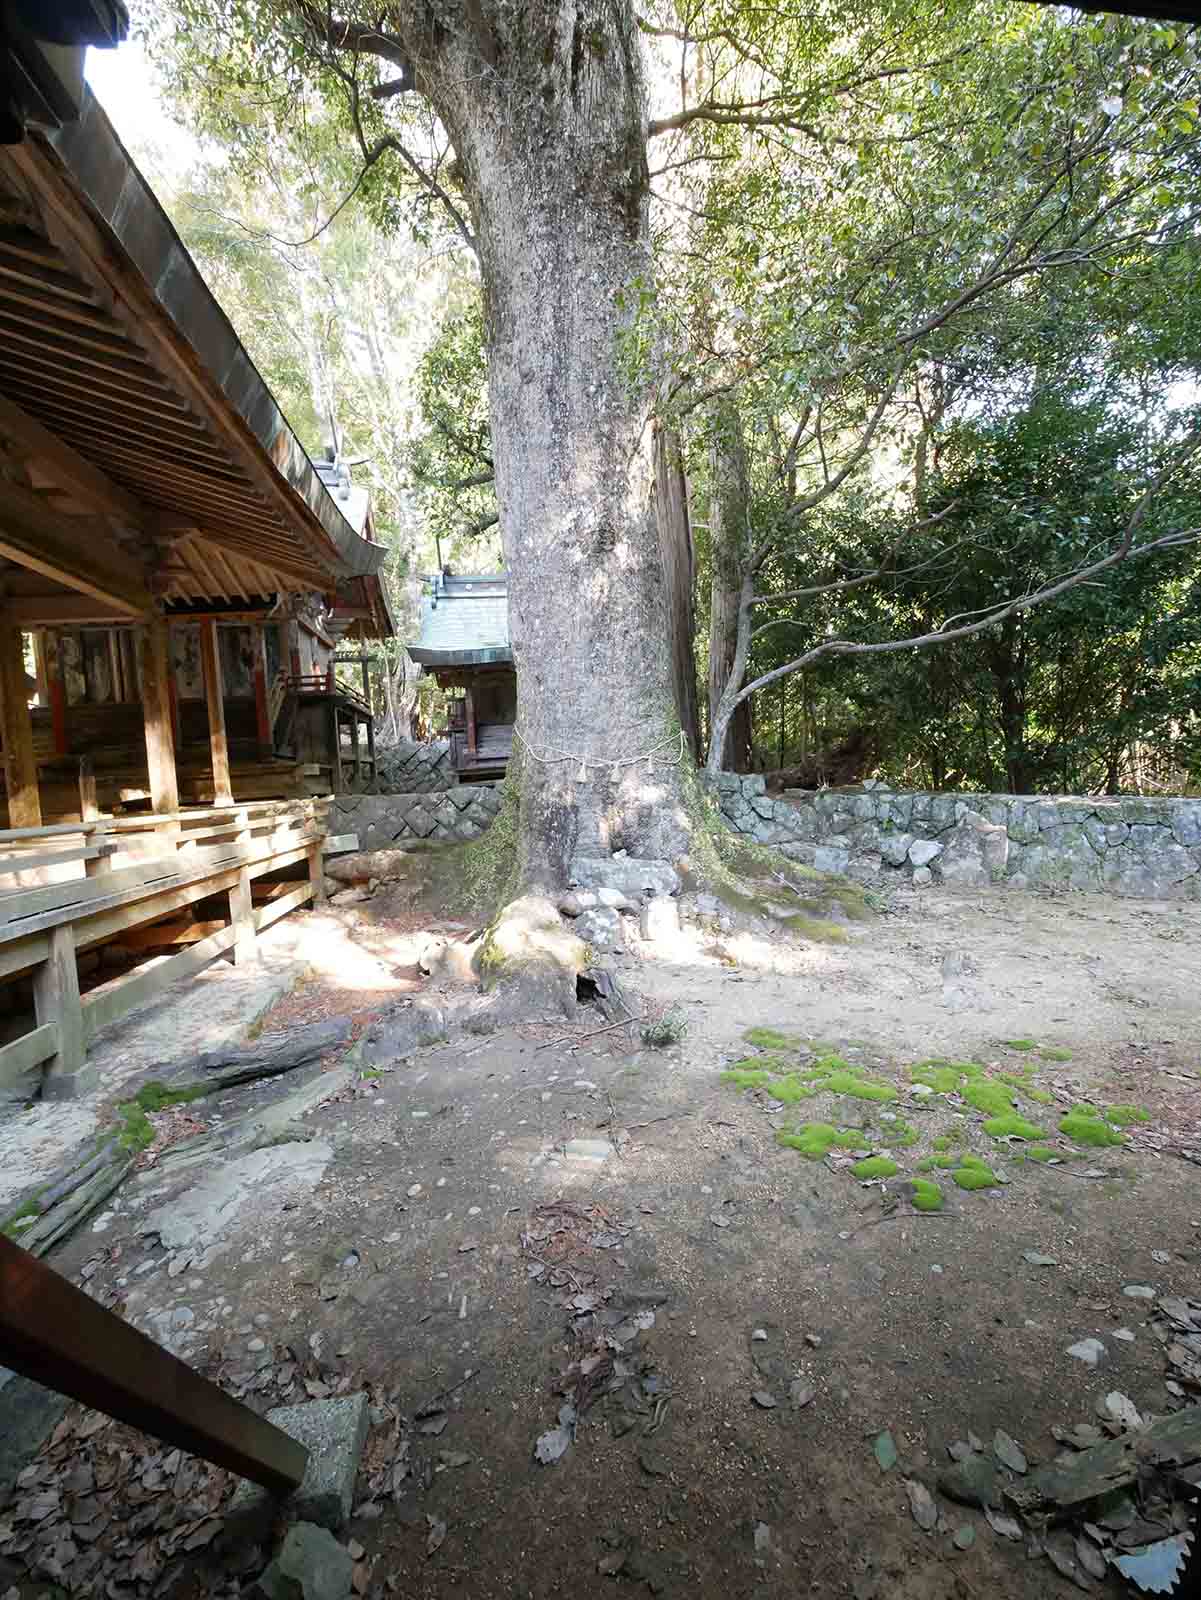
334, 1432
311, 1565
590, 1151
230, 1200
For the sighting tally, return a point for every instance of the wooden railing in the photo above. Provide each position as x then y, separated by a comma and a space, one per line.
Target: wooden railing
95, 880
60, 1337
305, 683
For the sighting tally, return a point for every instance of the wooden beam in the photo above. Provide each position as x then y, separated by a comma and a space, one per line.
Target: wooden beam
20, 768
157, 711
70, 550
30, 1050
214, 693
83, 478
60, 1337
64, 608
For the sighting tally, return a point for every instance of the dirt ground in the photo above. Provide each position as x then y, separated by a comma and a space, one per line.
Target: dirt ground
425, 1262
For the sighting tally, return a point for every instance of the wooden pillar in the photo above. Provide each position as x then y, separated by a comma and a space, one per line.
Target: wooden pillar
56, 690
292, 654
335, 748
469, 710
114, 663
262, 710
366, 679
371, 748
214, 694
56, 999
88, 808
156, 710
20, 768
241, 905
317, 873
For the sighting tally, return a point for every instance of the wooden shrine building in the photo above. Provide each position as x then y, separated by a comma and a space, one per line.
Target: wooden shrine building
464, 643
175, 578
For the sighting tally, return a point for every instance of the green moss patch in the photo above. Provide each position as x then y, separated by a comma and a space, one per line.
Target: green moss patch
817, 1139
899, 1135
135, 1131
155, 1096
875, 1167
859, 1088
989, 1095
1054, 1052
1021, 1045
972, 1173
933, 1163
746, 1078
770, 1039
927, 1196
1043, 1153
1085, 1125
819, 929
945, 1077
1126, 1116
1011, 1126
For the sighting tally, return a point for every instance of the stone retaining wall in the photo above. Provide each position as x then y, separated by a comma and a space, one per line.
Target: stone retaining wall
385, 820
1124, 845
411, 768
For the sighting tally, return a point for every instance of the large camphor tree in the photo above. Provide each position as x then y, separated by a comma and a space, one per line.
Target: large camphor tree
529, 122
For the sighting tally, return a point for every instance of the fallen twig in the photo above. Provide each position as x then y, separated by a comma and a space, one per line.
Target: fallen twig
435, 1404
572, 1038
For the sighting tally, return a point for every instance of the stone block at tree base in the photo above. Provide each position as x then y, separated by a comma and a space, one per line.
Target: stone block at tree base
311, 1565
333, 1432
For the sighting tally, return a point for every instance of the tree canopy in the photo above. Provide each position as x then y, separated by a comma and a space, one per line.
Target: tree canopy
934, 265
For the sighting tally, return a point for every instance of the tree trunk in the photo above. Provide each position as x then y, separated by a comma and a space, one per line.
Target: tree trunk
545, 103
677, 555
728, 511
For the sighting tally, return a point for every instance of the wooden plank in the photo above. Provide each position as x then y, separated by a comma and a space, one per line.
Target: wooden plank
106, 925
22, 955
60, 1337
114, 999
26, 861
278, 907
156, 701
71, 550
214, 694
20, 768
56, 999
158, 934
30, 1050
82, 477
28, 911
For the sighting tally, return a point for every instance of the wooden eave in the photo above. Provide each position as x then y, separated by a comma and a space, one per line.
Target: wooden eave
159, 442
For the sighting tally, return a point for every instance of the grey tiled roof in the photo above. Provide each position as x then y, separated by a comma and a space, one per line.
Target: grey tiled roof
463, 622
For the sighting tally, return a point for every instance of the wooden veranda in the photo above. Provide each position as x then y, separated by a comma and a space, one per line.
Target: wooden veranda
175, 576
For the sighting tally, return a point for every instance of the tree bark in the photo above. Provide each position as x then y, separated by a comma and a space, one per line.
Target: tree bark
679, 571
545, 104
729, 507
